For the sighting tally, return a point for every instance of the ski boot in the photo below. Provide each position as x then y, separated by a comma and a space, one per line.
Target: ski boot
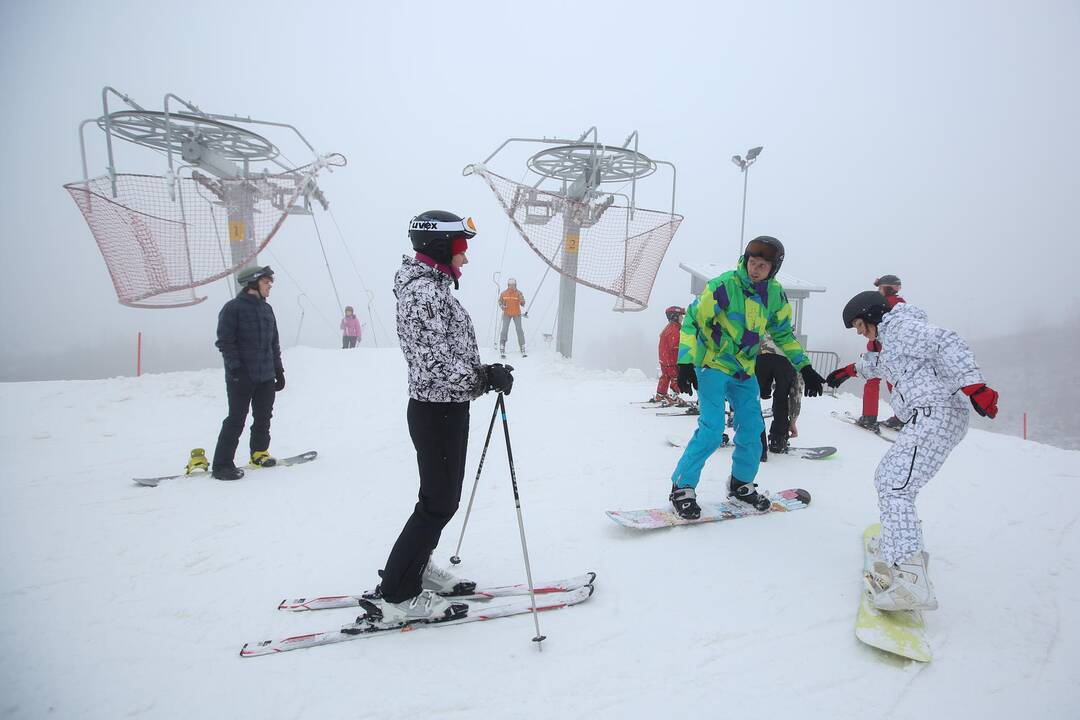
198, 461
903, 586
747, 494
684, 500
692, 409
869, 422
427, 607
894, 423
445, 583
261, 458
502, 352
523, 352
227, 473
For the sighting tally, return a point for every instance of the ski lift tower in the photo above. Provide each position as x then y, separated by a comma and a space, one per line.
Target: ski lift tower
225, 194
590, 235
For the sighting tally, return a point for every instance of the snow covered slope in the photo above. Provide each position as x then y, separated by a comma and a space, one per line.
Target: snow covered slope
125, 601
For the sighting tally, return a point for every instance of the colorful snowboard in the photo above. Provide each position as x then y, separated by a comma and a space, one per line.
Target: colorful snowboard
899, 632
814, 453
655, 518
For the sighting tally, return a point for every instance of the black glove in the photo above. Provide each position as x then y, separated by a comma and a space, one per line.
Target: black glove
813, 381
686, 379
839, 375
499, 377
279, 379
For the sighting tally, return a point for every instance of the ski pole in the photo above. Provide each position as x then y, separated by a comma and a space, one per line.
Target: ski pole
501, 403
455, 559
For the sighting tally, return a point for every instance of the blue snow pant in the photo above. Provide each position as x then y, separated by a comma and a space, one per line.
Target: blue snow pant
713, 387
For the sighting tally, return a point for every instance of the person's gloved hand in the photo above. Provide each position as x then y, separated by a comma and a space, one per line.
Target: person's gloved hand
279, 379
499, 377
839, 375
686, 379
983, 398
813, 381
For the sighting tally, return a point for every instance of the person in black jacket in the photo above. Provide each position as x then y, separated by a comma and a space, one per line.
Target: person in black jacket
247, 336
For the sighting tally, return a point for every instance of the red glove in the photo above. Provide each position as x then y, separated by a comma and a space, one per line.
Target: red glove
983, 399
839, 375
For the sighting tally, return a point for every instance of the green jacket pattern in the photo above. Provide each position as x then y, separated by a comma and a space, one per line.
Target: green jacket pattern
724, 325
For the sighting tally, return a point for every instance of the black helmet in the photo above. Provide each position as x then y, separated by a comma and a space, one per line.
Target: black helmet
433, 231
887, 280
768, 248
868, 305
674, 313
250, 276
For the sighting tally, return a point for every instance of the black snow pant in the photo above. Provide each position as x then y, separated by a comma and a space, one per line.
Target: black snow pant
440, 434
348, 342
776, 369
242, 394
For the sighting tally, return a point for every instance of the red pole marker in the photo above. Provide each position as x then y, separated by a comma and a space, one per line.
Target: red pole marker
138, 356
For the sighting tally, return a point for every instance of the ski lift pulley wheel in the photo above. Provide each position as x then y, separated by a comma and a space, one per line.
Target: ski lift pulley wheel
148, 128
571, 162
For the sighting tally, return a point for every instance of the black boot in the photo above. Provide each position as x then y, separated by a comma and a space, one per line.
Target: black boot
228, 473
778, 445
747, 493
869, 422
684, 500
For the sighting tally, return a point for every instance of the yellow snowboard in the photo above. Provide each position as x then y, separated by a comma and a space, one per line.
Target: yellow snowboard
899, 632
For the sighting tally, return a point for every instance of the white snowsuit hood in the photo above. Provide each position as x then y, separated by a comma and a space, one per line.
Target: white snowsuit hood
925, 364
436, 336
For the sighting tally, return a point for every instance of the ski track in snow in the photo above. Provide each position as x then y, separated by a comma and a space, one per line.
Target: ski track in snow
132, 601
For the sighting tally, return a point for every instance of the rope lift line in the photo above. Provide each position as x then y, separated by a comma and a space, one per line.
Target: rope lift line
318, 233
303, 292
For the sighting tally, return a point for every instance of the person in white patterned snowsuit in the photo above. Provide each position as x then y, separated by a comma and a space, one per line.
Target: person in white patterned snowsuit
928, 367
445, 375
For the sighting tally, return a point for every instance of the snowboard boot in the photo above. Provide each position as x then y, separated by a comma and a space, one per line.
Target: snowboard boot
261, 458
894, 423
869, 422
903, 586
502, 351
747, 494
427, 607
445, 583
684, 500
198, 461
778, 445
227, 473
523, 352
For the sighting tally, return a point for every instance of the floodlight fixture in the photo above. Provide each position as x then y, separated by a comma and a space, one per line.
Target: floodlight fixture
737, 159
754, 152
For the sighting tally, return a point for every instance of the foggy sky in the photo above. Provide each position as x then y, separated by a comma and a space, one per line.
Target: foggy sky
934, 141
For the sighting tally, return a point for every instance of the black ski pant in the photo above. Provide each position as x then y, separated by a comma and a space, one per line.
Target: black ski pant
776, 370
440, 434
243, 393
348, 342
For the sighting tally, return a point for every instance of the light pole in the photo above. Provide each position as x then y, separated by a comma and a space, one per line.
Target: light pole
744, 167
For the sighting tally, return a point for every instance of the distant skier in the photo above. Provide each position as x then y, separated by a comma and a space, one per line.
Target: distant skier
889, 287
445, 374
350, 328
718, 350
247, 336
511, 302
929, 367
668, 351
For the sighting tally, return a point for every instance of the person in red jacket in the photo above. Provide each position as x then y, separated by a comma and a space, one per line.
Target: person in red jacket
669, 355
889, 287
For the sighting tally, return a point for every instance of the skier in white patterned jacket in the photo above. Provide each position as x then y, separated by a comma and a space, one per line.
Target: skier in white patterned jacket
928, 367
445, 375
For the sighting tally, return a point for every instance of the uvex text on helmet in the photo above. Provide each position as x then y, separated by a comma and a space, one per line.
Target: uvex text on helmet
767, 248
868, 306
433, 231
